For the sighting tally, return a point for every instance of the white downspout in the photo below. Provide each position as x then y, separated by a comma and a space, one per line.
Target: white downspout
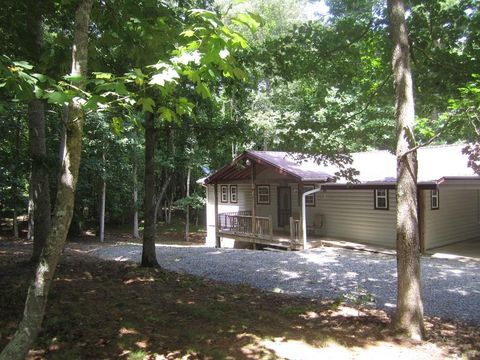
304, 214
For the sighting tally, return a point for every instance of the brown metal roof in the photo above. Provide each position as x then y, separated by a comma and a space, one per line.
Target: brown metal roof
436, 164
288, 164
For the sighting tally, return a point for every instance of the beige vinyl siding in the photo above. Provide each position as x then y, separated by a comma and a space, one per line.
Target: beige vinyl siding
270, 209
350, 215
456, 219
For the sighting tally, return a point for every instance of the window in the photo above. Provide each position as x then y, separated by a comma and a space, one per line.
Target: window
263, 194
434, 199
233, 193
310, 199
224, 193
381, 199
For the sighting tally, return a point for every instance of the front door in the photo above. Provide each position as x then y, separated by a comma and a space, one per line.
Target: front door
284, 206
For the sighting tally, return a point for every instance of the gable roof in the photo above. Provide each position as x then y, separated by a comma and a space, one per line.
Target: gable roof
283, 162
435, 163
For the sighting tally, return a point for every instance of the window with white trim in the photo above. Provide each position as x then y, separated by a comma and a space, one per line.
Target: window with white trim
435, 200
233, 193
381, 199
224, 193
309, 199
263, 194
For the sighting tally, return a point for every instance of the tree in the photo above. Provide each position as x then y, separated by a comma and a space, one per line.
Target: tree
39, 180
38, 290
409, 313
149, 256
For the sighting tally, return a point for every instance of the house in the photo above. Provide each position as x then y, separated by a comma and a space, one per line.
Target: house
258, 199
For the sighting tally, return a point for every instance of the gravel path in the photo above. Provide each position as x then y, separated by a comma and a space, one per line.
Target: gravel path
451, 288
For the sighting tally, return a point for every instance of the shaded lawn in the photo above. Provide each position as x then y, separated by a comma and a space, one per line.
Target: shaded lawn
102, 310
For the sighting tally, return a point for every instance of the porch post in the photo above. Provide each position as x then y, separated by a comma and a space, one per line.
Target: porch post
217, 235
254, 200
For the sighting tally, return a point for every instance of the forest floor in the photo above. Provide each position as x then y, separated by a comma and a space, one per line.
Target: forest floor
104, 310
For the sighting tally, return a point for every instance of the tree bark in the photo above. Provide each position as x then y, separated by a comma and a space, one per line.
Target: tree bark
38, 290
102, 201
149, 257
409, 314
187, 210
135, 232
39, 181
15, 174
161, 194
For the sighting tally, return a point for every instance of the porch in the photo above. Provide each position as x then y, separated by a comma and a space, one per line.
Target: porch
258, 230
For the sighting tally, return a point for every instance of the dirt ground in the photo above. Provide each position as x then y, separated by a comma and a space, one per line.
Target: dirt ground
106, 310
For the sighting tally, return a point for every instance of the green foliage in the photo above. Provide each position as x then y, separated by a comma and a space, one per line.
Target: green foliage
194, 201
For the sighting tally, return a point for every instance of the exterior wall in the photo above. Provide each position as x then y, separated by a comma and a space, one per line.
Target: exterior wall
456, 219
350, 215
244, 200
347, 214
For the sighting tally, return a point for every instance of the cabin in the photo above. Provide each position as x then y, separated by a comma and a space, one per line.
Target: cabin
292, 201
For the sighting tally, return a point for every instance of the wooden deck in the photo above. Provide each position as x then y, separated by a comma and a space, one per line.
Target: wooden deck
280, 240
244, 227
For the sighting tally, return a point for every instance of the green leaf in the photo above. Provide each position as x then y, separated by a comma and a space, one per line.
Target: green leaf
167, 114
147, 104
117, 125
203, 90
23, 64
103, 75
184, 106
40, 77
57, 97
188, 33
247, 20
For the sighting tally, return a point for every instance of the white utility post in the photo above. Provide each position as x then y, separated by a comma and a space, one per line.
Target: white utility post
304, 214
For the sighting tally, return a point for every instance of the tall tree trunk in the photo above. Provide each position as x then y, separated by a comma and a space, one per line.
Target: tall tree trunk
409, 314
30, 212
149, 257
38, 290
16, 233
39, 181
102, 201
187, 210
135, 232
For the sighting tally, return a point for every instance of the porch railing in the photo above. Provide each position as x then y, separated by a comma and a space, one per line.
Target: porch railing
242, 222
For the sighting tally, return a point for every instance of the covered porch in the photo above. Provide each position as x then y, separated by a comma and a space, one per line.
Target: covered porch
258, 200
259, 230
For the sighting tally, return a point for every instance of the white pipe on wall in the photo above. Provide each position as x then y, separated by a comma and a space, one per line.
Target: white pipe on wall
304, 214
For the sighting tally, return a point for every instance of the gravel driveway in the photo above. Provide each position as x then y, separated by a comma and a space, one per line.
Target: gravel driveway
451, 288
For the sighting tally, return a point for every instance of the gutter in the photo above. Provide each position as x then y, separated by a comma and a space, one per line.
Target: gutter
304, 213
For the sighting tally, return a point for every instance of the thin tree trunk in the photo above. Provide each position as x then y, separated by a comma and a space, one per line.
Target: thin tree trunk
149, 257
161, 194
187, 210
409, 314
39, 182
136, 234
16, 233
31, 224
15, 182
102, 201
38, 290
170, 205
165, 211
